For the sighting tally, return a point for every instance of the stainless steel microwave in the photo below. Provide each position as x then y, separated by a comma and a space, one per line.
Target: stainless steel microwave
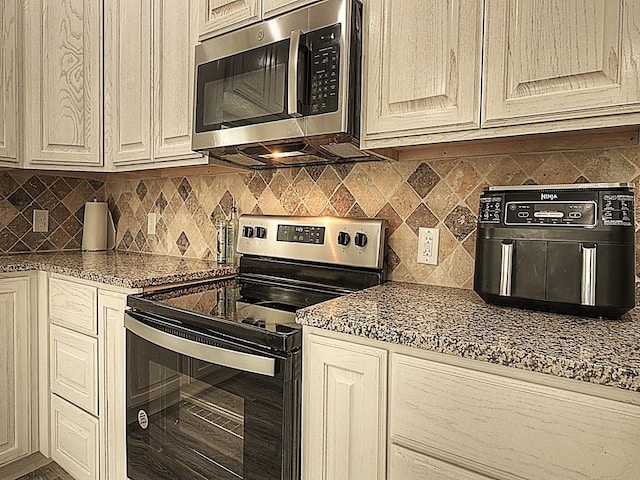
284, 91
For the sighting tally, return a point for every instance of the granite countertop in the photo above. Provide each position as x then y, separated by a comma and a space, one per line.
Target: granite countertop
122, 269
457, 322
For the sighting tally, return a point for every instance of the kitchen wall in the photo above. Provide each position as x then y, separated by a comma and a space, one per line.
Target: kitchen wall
432, 193
22, 191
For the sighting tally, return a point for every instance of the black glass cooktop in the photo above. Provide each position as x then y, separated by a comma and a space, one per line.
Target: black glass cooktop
252, 311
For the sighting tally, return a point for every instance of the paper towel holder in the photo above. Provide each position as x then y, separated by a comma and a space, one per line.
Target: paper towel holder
98, 231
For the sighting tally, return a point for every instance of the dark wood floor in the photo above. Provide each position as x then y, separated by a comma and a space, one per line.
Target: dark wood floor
51, 471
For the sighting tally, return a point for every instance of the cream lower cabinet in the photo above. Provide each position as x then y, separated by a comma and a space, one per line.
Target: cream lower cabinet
344, 404
18, 411
448, 418
87, 377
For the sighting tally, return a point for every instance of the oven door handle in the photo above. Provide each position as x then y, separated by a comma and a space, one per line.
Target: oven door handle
245, 362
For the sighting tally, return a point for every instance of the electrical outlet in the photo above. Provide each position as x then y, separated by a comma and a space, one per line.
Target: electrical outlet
428, 242
151, 223
40, 220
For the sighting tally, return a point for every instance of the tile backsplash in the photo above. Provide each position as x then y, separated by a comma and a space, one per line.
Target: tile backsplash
431, 193
64, 197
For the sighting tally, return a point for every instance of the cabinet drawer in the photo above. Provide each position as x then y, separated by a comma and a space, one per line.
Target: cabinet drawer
74, 439
73, 305
405, 464
507, 428
74, 367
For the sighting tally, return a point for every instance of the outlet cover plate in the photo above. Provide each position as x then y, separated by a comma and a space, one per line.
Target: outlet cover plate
151, 223
428, 243
40, 220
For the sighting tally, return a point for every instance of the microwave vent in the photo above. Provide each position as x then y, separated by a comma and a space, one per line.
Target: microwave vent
343, 150
243, 160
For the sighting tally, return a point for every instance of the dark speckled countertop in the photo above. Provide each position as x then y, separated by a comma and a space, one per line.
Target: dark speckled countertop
122, 269
457, 322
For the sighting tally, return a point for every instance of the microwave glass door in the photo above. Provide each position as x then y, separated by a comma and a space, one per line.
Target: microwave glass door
244, 89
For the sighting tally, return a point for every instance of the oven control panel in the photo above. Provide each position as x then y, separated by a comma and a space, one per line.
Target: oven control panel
301, 234
342, 241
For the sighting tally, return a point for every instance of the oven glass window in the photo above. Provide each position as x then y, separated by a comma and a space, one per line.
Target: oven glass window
180, 423
244, 89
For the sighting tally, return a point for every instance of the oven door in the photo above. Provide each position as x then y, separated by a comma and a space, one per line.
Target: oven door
199, 407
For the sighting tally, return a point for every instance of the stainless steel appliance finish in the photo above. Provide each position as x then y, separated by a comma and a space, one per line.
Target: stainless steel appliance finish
214, 368
565, 248
355, 242
282, 92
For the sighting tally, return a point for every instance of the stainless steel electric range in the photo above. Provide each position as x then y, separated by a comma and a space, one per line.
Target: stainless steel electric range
214, 369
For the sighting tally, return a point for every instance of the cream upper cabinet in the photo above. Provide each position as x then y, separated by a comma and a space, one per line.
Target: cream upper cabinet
422, 67
475, 69
271, 8
127, 81
344, 410
63, 84
8, 82
219, 16
560, 59
15, 374
149, 82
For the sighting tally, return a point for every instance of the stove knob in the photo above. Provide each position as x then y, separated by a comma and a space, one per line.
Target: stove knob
343, 239
261, 232
361, 239
247, 232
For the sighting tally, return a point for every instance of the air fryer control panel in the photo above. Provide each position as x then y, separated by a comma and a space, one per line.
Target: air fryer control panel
556, 209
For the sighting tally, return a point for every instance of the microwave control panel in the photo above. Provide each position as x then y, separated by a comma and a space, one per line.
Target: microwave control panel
324, 53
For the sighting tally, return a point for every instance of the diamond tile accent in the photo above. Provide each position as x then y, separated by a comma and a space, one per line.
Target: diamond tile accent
141, 190
7, 185
342, 200
461, 222
422, 217
183, 243
20, 199
184, 189
392, 217
423, 179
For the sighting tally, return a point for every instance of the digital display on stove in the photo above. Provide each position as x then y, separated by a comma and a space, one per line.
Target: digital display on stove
301, 234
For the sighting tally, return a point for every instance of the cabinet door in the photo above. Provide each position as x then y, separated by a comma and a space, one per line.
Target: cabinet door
175, 36
15, 374
74, 440
344, 410
271, 8
8, 81
63, 84
112, 387
560, 59
74, 367
221, 16
128, 73
422, 67
505, 428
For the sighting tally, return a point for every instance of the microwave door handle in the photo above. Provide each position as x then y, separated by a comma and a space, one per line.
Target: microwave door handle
207, 353
588, 284
292, 94
506, 267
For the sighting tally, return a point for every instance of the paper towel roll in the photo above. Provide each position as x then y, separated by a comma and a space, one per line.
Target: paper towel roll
94, 232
